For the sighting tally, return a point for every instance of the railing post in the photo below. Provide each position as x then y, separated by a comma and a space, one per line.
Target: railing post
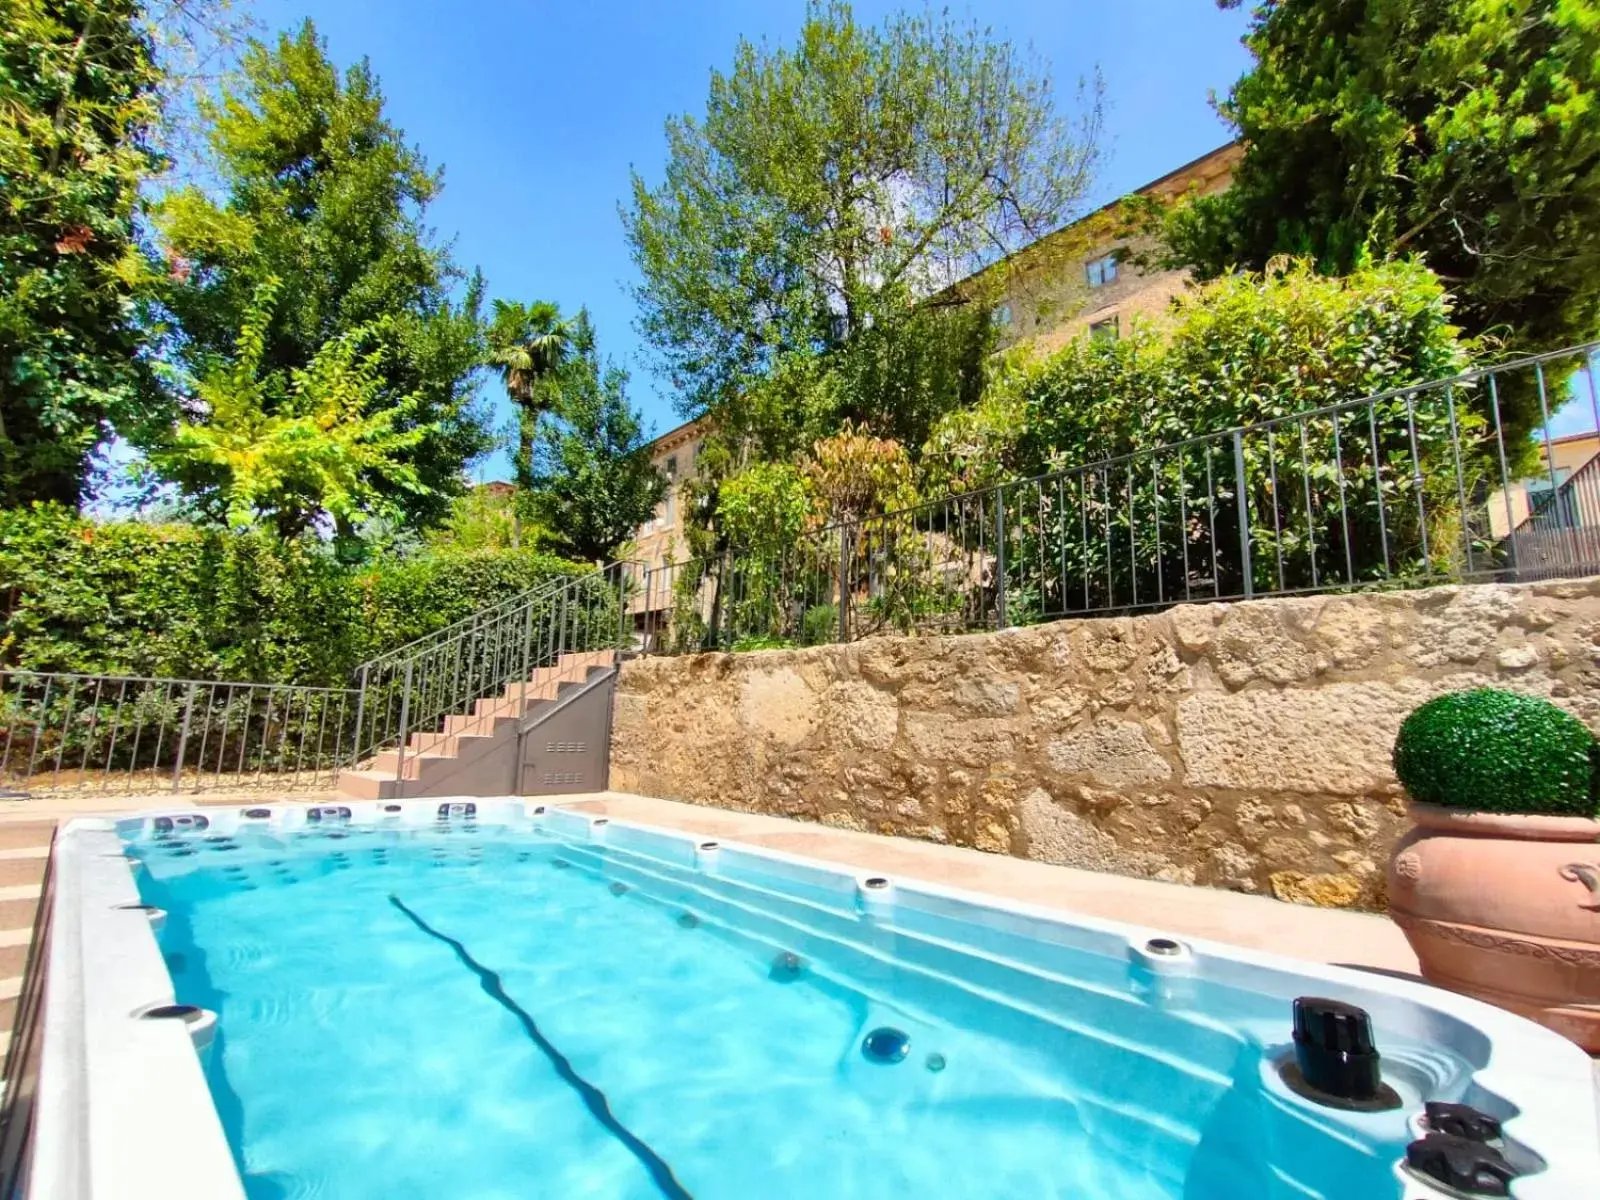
1000, 555
405, 732
361, 711
183, 739
1244, 515
624, 577
844, 582
527, 664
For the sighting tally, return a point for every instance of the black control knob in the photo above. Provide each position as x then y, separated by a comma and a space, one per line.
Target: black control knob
1334, 1050
1461, 1120
1461, 1163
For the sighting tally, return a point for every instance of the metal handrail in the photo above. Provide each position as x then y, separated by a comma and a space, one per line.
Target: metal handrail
439, 681
1555, 499
474, 618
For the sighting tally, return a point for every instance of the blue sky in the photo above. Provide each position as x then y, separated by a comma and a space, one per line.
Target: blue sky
538, 110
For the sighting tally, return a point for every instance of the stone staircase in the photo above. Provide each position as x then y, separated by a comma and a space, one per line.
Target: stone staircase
466, 756
24, 847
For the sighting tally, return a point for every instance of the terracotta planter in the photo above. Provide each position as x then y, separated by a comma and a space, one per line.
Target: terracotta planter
1507, 909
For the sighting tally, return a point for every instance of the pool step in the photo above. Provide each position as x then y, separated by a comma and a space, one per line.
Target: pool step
1026, 1005
24, 849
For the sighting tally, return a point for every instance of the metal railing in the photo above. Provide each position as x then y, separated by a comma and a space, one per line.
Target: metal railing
135, 734
1562, 527
69, 733
1404, 488
1396, 489
461, 680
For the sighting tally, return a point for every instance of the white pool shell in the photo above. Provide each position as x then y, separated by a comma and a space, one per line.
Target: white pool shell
124, 1113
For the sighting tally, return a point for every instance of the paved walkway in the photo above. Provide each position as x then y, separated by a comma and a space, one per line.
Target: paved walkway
1320, 934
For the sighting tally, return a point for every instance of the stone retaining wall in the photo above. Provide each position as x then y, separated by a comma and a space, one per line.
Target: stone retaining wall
1242, 745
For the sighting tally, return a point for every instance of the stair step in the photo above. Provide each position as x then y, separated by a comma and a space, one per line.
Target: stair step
15, 871
366, 785
25, 834
25, 852
490, 717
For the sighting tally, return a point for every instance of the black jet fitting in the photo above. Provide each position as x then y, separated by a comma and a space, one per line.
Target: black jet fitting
1469, 1167
1335, 1060
1461, 1120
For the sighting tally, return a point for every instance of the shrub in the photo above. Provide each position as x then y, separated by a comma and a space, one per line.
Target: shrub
1494, 751
1237, 350
139, 598
820, 625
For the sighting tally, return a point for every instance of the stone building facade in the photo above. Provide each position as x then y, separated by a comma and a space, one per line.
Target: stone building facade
659, 544
1240, 745
1078, 279
1066, 284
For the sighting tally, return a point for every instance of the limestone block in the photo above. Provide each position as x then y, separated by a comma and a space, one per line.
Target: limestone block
1058, 709
1056, 835
967, 741
1108, 644
1234, 866
858, 714
1517, 658
1324, 891
1464, 628
1113, 753
1352, 632
1332, 740
1254, 643
775, 701
1194, 625
985, 697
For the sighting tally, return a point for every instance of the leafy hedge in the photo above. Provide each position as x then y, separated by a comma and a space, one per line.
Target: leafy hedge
1235, 351
138, 598
1487, 750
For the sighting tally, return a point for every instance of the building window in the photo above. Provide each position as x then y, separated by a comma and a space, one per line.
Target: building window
1000, 317
1105, 331
1101, 271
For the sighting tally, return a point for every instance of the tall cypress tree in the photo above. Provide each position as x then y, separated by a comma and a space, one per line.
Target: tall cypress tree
321, 192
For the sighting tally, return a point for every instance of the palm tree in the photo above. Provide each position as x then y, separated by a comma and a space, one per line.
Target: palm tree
528, 343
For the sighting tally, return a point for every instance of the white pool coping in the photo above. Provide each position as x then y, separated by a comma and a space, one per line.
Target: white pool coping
123, 1111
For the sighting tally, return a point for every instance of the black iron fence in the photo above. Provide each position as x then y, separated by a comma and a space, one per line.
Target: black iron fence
129, 734
1420, 485
1415, 486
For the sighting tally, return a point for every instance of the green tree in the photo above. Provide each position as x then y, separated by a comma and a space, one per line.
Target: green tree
289, 447
79, 102
528, 344
831, 184
592, 482
1466, 131
319, 191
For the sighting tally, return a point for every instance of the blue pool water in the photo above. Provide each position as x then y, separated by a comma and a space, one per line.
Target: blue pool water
487, 1011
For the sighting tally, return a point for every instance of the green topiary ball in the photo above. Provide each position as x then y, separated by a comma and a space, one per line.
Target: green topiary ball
1493, 751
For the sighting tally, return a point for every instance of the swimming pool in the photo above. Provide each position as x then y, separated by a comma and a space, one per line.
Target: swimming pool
495, 999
